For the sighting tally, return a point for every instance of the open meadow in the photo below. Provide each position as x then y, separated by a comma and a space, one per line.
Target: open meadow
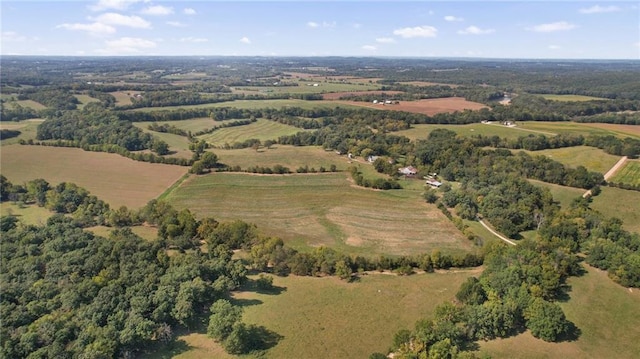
629, 173
310, 210
584, 129
426, 107
562, 194
27, 214
422, 131
593, 159
28, 130
310, 85
567, 98
621, 203
256, 104
261, 129
606, 314
111, 177
85, 99
288, 156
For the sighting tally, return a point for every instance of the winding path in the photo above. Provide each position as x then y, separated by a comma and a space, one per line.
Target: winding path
610, 173
496, 233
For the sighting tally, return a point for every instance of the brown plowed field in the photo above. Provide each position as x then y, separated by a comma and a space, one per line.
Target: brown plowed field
427, 107
337, 95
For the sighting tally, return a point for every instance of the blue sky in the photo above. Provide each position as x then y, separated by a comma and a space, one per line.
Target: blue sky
488, 29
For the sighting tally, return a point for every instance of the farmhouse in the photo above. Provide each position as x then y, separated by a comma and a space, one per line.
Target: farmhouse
408, 171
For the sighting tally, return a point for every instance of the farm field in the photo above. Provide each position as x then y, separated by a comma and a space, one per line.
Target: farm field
576, 128
27, 214
593, 159
426, 83
427, 107
122, 98
562, 194
621, 203
337, 95
629, 173
261, 129
112, 178
85, 99
256, 104
179, 145
288, 156
606, 314
421, 131
28, 130
27, 103
323, 209
306, 86
571, 97
193, 125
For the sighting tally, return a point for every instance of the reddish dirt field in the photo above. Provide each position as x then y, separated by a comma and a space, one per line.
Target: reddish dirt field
337, 95
427, 107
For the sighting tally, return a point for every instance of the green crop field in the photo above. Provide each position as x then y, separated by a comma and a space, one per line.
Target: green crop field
593, 159
28, 130
255, 104
621, 203
261, 129
112, 178
629, 173
606, 314
323, 209
566, 98
288, 156
562, 194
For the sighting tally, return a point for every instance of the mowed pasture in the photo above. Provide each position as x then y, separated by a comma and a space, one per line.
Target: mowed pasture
422, 131
621, 203
315, 85
288, 156
629, 173
338, 95
255, 104
261, 129
593, 159
122, 97
311, 210
28, 130
112, 178
27, 103
584, 129
426, 107
606, 314
568, 98
562, 194
27, 214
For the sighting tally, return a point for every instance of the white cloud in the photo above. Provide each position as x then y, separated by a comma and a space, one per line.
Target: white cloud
176, 24
356, 26
554, 47
193, 39
474, 30
245, 40
113, 4
385, 40
418, 31
112, 18
369, 48
158, 10
453, 18
552, 27
329, 24
189, 11
313, 24
597, 9
126, 45
95, 28
637, 44
12, 36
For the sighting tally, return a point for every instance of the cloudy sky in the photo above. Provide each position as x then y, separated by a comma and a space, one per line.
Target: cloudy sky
489, 29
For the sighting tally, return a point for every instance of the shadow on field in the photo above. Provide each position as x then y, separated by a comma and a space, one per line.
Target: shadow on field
265, 338
572, 334
245, 302
172, 349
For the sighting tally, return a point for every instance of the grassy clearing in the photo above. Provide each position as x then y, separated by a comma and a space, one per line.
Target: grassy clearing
606, 314
288, 156
593, 159
323, 209
122, 98
193, 125
179, 145
112, 178
28, 130
255, 104
328, 318
421, 131
629, 173
85, 99
566, 98
145, 232
621, 203
261, 129
575, 128
306, 86
27, 214
561, 194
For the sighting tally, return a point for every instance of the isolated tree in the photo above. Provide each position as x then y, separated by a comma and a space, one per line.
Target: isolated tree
545, 320
223, 317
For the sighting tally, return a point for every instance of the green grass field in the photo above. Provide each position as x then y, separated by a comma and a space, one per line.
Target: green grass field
621, 203
606, 314
261, 129
28, 130
148, 233
194, 125
562, 194
288, 156
112, 178
575, 128
421, 131
593, 159
85, 99
566, 98
255, 104
122, 97
28, 103
27, 214
323, 209
629, 173
303, 87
